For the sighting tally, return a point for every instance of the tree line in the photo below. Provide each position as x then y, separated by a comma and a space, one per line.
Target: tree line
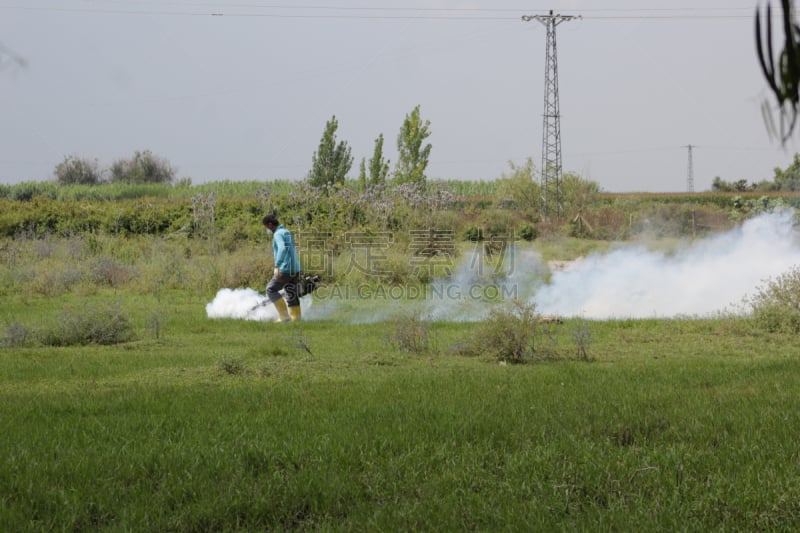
330, 163
784, 180
333, 159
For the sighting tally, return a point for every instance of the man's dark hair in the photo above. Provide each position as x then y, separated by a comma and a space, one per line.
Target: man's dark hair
270, 219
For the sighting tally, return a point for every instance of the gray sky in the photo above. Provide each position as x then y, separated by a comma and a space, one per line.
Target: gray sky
246, 94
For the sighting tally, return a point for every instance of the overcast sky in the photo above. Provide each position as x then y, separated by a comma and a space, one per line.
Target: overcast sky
242, 90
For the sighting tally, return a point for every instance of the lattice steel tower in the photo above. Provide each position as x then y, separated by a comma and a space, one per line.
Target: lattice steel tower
690, 171
552, 200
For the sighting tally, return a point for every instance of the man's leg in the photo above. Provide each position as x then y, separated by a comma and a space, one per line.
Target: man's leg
273, 295
292, 289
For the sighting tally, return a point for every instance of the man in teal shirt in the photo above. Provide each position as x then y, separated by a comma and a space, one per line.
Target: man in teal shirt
286, 273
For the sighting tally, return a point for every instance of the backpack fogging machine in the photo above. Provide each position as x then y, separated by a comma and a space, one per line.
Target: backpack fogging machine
305, 285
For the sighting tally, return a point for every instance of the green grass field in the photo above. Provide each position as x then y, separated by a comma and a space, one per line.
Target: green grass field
222, 425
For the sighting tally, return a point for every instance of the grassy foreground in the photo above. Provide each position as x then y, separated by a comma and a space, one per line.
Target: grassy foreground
214, 425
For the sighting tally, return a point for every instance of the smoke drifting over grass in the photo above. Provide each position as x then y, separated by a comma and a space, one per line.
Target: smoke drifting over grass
246, 304
469, 293
706, 277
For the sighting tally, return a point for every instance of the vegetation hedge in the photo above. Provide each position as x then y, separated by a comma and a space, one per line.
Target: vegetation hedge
42, 216
227, 212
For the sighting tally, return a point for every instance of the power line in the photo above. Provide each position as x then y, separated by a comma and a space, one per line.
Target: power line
191, 3
652, 149
396, 13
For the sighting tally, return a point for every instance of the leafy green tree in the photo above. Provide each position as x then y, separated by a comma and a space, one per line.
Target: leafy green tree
578, 193
742, 186
412, 155
76, 170
145, 167
788, 179
378, 166
362, 174
720, 185
519, 188
332, 161
763, 186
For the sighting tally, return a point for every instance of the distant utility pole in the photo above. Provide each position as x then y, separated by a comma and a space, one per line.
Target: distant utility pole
552, 200
690, 170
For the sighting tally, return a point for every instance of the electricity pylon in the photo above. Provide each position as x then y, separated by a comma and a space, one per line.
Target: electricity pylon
690, 171
552, 200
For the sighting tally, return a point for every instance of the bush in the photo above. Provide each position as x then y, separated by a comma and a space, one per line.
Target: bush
776, 306
15, 335
411, 334
143, 168
99, 325
78, 171
473, 233
54, 277
499, 223
509, 334
232, 366
519, 190
527, 232
103, 270
27, 191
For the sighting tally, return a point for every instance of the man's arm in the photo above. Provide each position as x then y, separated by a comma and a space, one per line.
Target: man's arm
282, 251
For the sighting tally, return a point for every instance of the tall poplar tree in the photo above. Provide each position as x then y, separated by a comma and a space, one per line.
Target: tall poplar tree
378, 167
332, 161
412, 155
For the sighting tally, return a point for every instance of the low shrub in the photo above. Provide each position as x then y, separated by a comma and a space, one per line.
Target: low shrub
582, 337
527, 232
499, 224
27, 191
16, 335
52, 277
104, 270
473, 233
411, 334
232, 366
103, 325
776, 305
143, 167
509, 334
75, 170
